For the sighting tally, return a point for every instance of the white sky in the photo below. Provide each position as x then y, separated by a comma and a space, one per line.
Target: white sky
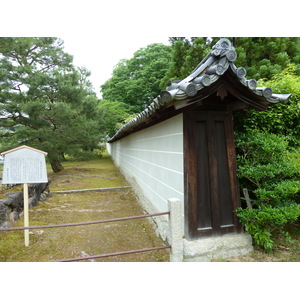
100, 55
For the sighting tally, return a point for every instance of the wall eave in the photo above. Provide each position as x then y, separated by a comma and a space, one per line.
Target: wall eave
216, 73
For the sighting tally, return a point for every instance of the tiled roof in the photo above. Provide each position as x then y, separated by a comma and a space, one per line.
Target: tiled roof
209, 70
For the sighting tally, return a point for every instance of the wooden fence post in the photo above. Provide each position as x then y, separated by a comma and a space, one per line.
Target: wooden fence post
247, 198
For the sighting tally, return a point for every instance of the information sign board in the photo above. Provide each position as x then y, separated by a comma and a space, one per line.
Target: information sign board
24, 165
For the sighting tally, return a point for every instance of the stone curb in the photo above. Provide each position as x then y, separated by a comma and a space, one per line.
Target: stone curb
92, 190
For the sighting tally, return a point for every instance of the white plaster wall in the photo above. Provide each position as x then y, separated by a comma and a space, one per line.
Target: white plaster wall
153, 159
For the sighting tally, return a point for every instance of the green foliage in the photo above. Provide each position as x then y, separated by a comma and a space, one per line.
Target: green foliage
278, 192
271, 173
136, 81
186, 56
283, 118
262, 57
265, 222
114, 113
267, 167
45, 101
125, 121
267, 144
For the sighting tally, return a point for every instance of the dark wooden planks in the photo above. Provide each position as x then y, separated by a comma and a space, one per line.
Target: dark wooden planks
211, 187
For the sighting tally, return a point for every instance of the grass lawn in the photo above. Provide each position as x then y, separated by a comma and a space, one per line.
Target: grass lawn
69, 242
87, 175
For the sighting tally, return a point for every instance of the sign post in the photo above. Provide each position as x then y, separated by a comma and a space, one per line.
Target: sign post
26, 213
24, 165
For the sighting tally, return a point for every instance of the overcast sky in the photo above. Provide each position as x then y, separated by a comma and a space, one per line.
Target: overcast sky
100, 55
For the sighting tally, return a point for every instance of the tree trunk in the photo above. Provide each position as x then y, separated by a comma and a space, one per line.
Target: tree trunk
56, 164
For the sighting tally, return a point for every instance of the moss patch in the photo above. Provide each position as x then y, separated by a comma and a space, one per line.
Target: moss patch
99, 173
69, 242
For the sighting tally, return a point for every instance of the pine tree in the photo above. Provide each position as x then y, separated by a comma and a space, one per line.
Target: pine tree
45, 102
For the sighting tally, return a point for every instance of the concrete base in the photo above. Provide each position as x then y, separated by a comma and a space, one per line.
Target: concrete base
214, 248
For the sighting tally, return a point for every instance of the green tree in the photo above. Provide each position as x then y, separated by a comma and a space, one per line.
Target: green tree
114, 113
45, 101
175, 71
281, 119
136, 81
262, 57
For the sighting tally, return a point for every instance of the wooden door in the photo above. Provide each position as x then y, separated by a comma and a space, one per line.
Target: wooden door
211, 186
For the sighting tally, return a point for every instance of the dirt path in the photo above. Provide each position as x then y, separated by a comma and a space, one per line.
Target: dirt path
70, 242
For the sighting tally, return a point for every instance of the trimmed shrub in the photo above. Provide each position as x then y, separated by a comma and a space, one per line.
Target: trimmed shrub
265, 222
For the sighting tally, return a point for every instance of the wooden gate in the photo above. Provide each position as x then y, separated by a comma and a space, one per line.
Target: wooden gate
211, 186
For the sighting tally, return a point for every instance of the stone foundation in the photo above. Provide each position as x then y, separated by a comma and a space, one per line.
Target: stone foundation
214, 248
11, 208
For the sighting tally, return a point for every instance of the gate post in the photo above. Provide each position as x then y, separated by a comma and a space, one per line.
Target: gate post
175, 230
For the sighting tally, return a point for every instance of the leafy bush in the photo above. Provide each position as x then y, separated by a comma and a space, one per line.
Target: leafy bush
265, 222
281, 192
267, 167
